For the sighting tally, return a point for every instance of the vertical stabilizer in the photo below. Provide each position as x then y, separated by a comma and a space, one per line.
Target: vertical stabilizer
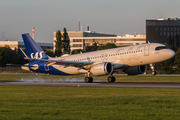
32, 48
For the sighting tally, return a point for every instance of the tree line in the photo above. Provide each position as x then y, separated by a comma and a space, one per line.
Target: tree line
9, 56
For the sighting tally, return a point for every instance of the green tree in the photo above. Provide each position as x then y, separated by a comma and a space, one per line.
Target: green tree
58, 42
77, 51
177, 59
9, 56
166, 66
49, 53
65, 34
66, 42
107, 46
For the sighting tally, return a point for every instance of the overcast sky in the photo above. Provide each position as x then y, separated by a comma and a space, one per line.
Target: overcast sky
103, 16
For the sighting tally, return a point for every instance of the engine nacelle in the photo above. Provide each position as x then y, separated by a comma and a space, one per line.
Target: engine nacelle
102, 69
135, 70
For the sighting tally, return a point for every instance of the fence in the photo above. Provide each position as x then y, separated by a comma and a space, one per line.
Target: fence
10, 69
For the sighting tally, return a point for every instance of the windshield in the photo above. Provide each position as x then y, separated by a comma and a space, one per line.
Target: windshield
160, 47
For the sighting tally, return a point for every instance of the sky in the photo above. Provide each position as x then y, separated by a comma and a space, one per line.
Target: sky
117, 17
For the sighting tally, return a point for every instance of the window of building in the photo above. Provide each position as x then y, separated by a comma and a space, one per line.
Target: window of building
164, 28
174, 33
167, 28
164, 33
171, 33
174, 29
156, 28
160, 28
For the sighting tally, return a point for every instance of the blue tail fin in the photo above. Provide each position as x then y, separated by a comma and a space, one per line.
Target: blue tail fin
32, 48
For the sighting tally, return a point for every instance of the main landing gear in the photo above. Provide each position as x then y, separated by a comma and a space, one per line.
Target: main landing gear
153, 68
111, 79
89, 79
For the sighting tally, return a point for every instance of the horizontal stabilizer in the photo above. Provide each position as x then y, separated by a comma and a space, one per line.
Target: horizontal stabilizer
19, 65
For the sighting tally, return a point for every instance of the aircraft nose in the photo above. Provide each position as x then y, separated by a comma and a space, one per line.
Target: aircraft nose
171, 53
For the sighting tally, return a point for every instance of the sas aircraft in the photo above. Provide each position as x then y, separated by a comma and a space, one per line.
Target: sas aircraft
130, 59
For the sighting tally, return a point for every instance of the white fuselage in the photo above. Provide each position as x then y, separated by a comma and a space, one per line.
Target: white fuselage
120, 57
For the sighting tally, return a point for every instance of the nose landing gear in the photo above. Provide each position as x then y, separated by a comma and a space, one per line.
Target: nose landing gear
153, 68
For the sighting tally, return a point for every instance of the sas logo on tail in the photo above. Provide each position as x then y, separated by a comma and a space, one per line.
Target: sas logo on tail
37, 55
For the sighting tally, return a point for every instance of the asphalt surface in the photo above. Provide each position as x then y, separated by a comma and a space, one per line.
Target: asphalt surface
94, 84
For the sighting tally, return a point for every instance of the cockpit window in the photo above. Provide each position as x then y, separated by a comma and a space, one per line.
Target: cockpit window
160, 47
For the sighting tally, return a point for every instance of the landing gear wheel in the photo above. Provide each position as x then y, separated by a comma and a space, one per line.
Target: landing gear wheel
154, 73
111, 79
88, 79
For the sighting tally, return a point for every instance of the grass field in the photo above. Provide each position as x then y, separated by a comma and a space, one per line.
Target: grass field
30, 102
35, 102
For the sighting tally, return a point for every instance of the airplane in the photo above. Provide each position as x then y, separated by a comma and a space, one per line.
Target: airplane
130, 59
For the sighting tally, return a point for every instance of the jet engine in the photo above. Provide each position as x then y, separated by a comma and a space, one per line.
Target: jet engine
135, 70
102, 69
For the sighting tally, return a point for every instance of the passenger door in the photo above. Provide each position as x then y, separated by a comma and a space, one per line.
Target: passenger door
146, 50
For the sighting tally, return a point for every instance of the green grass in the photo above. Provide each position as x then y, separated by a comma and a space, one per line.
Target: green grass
119, 78
30, 102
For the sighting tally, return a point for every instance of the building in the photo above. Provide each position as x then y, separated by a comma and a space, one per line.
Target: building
163, 31
16, 44
80, 39
75, 35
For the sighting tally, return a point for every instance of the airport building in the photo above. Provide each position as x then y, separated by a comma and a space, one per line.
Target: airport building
16, 44
164, 31
82, 40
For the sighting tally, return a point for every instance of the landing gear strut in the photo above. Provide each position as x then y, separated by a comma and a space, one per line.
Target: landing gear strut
88, 79
111, 79
153, 68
